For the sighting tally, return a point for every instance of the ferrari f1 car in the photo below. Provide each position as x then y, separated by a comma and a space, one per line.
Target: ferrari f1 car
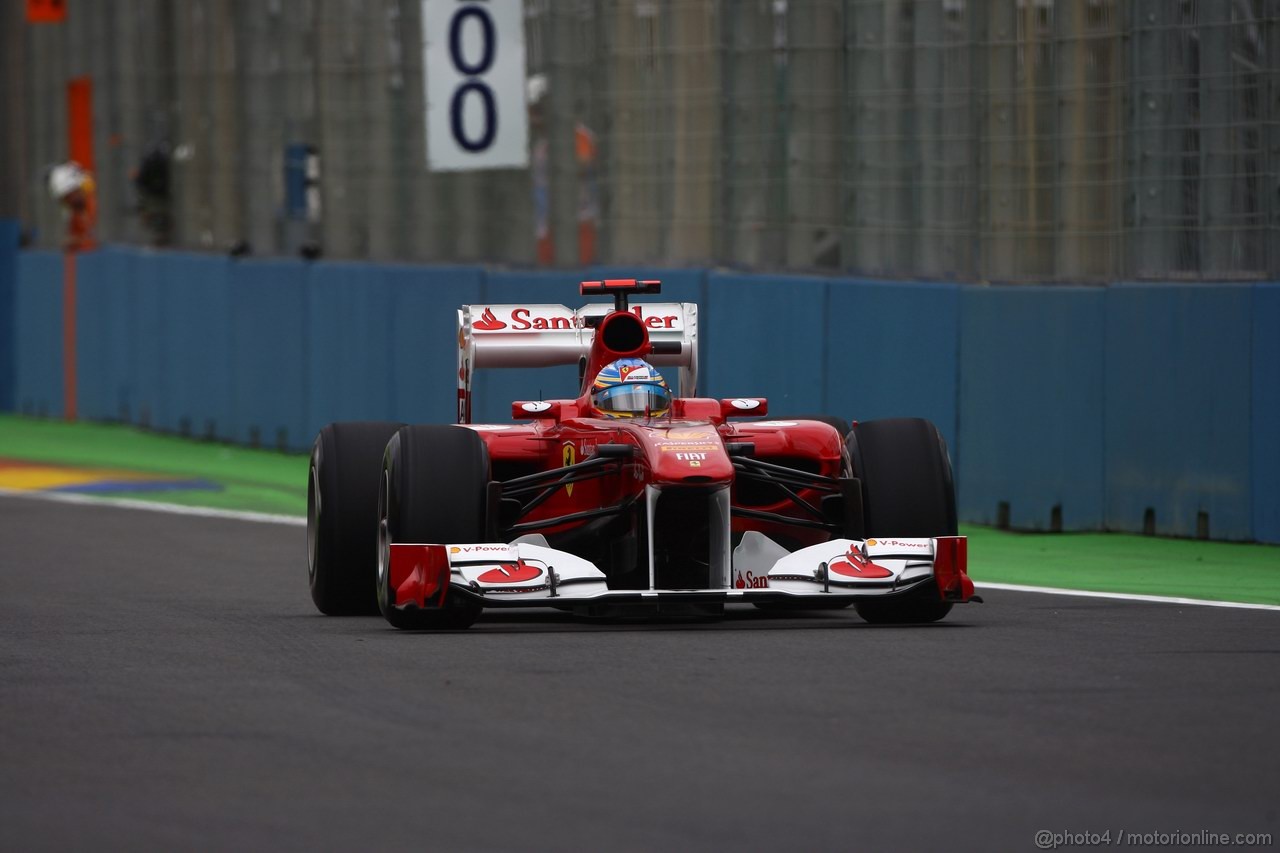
625, 500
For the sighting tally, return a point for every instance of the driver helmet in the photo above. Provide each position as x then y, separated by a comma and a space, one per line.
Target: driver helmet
630, 388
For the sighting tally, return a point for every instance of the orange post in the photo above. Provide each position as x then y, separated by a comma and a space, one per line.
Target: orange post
46, 11
80, 121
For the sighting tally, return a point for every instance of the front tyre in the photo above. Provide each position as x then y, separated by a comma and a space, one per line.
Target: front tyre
433, 491
342, 502
907, 492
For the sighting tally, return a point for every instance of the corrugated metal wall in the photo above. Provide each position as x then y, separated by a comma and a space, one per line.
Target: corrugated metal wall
1020, 140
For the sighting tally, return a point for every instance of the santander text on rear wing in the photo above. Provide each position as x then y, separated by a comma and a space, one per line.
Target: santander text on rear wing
528, 335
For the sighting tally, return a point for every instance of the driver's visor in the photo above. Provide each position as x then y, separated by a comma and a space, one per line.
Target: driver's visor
633, 398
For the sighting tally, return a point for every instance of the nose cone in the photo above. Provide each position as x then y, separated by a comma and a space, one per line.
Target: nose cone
687, 454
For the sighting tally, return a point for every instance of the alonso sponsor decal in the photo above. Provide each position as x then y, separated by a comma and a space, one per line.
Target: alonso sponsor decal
749, 580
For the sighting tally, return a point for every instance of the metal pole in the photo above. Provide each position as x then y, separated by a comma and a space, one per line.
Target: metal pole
561, 119
866, 144
1220, 237
1001, 232
929, 239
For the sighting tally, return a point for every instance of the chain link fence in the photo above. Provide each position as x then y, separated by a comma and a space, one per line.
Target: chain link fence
1006, 140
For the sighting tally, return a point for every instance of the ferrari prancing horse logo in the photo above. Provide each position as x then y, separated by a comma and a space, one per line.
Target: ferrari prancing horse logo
570, 456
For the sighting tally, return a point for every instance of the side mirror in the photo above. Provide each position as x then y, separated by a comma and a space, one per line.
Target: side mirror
743, 407
536, 409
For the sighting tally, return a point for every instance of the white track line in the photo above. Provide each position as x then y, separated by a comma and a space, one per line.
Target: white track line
1158, 599
172, 509
298, 521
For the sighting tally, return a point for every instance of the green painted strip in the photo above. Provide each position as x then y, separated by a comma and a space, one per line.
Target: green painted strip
1120, 562
265, 481
256, 480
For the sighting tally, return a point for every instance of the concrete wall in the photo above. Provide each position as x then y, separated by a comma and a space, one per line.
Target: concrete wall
1086, 408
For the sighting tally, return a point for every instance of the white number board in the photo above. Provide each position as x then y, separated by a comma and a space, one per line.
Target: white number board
473, 61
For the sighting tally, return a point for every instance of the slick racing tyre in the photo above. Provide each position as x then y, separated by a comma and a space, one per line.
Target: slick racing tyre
907, 492
434, 490
342, 516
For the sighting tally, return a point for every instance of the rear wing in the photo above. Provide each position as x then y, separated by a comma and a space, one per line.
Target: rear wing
550, 335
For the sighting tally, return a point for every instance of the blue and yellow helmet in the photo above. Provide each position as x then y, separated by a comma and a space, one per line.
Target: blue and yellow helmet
630, 388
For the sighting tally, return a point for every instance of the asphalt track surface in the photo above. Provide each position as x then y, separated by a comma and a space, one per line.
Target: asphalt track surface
166, 684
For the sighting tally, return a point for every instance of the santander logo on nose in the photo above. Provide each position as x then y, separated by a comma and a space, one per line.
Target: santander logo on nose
853, 565
488, 322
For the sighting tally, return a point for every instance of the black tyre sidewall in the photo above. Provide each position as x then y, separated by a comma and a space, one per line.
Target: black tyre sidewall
345, 468
908, 491
436, 480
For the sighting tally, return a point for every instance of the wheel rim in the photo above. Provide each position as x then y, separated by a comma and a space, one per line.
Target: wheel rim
313, 521
384, 545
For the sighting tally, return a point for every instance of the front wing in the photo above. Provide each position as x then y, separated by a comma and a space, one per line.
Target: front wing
527, 573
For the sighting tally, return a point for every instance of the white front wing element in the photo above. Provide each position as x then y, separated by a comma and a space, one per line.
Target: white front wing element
527, 570
852, 566
524, 570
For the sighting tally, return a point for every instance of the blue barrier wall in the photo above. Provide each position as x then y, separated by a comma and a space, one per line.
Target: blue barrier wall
37, 309
8, 317
106, 356
769, 336
195, 375
892, 351
383, 342
269, 353
424, 348
149, 287
1102, 402
1031, 405
1265, 442
1177, 408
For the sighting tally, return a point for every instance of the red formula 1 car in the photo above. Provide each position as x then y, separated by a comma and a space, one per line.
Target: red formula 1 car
627, 500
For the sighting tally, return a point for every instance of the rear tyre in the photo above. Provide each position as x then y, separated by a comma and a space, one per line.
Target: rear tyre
907, 492
342, 515
433, 490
